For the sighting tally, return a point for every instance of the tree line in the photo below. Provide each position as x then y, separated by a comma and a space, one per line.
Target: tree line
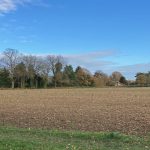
143, 79
30, 71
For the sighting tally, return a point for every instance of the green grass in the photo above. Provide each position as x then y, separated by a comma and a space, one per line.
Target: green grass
36, 139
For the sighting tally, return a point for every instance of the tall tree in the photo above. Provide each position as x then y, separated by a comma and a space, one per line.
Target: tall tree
30, 64
123, 80
141, 79
116, 76
56, 64
21, 74
100, 79
84, 77
4, 78
10, 58
148, 78
44, 71
69, 76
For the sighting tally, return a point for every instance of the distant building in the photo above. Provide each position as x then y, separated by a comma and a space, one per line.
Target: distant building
119, 84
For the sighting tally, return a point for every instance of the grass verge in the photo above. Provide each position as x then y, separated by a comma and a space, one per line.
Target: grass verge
36, 139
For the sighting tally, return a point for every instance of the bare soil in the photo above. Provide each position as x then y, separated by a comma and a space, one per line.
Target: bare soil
126, 110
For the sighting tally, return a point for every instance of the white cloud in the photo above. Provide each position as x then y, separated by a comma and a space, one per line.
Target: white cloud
129, 71
99, 60
11, 5
6, 6
93, 55
95, 60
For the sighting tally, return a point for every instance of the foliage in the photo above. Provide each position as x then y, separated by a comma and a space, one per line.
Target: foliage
100, 79
83, 77
143, 79
5, 81
123, 80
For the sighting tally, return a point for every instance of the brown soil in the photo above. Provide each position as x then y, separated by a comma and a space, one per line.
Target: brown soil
112, 109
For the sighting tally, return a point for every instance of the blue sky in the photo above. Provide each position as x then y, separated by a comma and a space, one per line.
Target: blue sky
105, 35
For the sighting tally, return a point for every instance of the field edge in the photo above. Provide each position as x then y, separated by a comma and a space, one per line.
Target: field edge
27, 138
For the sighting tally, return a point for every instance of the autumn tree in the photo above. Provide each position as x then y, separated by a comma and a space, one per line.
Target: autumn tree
84, 77
141, 79
148, 78
100, 79
116, 76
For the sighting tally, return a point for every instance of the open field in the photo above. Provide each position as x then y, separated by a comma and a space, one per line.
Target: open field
126, 110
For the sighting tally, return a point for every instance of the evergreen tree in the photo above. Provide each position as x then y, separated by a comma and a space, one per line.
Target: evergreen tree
5, 80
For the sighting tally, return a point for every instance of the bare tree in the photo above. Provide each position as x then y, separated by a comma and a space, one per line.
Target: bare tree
116, 76
55, 63
43, 69
36, 67
30, 64
10, 58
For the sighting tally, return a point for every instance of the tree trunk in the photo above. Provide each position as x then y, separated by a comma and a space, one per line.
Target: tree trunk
12, 84
22, 82
55, 83
36, 83
45, 83
31, 83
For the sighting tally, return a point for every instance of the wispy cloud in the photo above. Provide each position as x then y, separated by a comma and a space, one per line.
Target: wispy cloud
11, 5
94, 60
135, 68
7, 6
25, 39
93, 55
42, 3
129, 71
99, 60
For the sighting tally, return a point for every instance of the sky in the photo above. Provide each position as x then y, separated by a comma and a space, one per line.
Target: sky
106, 35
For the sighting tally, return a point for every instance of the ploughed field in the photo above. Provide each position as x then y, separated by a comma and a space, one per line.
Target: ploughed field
126, 110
